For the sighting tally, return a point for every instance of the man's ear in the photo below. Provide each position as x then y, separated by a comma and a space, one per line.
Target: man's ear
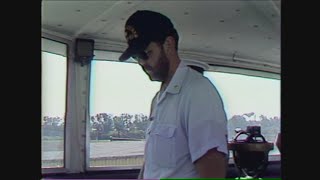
169, 44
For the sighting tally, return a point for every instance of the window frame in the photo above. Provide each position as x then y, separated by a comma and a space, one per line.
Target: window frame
68, 43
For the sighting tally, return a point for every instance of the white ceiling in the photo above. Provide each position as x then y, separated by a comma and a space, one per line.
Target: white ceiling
242, 33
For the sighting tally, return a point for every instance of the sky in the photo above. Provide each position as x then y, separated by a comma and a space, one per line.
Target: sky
117, 88
124, 88
245, 94
120, 87
53, 85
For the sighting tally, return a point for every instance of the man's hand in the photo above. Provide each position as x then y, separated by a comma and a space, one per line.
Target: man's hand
213, 164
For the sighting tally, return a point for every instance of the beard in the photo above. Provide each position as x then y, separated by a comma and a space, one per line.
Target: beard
160, 71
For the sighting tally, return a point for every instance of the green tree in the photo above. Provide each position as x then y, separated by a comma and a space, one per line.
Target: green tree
138, 126
119, 126
108, 124
96, 124
140, 121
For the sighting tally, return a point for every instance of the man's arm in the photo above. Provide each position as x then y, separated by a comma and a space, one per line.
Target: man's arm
213, 164
140, 176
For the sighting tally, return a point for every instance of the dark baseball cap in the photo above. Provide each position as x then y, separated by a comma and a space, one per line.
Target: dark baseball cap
143, 27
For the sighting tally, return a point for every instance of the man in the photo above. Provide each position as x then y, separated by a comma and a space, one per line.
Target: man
187, 135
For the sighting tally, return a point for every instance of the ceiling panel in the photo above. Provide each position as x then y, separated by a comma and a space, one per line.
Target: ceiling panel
247, 30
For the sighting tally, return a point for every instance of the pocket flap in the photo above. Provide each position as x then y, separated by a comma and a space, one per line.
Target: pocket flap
164, 130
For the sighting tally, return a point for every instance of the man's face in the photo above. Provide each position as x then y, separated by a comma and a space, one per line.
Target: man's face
156, 64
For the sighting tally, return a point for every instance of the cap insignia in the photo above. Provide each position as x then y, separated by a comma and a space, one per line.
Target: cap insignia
131, 33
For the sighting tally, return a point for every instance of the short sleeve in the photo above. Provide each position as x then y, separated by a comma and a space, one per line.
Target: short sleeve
206, 120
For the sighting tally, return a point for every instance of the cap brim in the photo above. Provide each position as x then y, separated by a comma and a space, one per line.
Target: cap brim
126, 54
135, 46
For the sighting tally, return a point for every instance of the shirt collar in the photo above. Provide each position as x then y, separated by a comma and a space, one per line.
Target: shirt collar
176, 81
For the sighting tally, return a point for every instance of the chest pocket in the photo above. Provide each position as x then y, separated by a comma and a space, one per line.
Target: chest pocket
163, 145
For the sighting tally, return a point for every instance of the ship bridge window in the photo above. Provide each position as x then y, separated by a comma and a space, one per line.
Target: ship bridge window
53, 102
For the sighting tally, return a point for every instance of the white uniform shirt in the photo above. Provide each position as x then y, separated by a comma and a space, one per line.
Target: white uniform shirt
187, 120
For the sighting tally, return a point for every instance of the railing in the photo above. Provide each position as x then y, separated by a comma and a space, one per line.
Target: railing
133, 160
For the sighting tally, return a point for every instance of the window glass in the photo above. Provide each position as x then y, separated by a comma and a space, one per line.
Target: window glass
250, 101
120, 99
